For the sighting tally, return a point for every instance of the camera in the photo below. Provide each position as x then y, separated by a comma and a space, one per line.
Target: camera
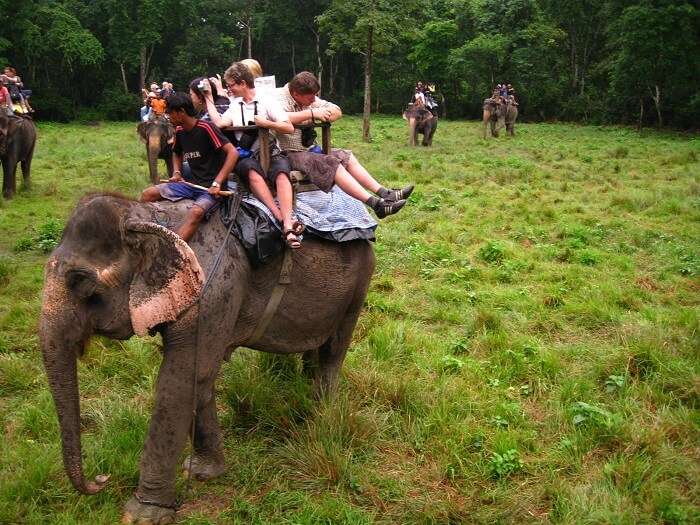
308, 137
203, 85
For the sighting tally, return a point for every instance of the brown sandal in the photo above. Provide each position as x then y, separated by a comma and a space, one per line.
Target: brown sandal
298, 227
290, 237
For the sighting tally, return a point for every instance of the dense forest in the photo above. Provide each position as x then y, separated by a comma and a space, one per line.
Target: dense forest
596, 61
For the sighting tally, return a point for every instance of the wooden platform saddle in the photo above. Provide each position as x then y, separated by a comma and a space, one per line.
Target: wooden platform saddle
300, 181
300, 184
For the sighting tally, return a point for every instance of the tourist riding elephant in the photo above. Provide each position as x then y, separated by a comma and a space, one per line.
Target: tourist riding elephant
157, 133
119, 271
17, 140
499, 114
420, 120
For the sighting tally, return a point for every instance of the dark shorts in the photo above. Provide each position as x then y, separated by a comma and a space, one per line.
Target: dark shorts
175, 191
318, 167
278, 164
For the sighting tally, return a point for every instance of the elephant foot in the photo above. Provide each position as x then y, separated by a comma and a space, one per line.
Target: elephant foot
204, 468
143, 514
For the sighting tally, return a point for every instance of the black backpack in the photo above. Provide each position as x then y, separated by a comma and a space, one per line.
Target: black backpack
15, 93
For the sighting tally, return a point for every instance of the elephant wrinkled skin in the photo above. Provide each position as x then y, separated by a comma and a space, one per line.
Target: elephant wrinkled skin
157, 133
116, 273
420, 120
17, 141
499, 114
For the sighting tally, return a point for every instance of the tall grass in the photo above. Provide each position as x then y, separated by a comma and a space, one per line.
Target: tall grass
528, 349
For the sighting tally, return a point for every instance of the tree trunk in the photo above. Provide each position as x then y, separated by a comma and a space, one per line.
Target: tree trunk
319, 59
657, 103
145, 54
368, 87
126, 87
250, 35
641, 113
294, 67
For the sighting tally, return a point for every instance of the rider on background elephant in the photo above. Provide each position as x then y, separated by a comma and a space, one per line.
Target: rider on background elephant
17, 141
158, 135
117, 272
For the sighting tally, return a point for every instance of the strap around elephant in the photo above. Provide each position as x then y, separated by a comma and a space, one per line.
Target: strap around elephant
273, 302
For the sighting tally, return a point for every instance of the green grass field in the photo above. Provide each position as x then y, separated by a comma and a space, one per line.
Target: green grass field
529, 349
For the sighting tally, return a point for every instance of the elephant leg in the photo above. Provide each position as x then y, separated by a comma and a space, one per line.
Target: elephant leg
9, 184
169, 165
26, 173
331, 354
309, 361
170, 425
207, 461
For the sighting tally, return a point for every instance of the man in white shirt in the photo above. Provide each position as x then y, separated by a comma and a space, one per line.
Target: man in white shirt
247, 108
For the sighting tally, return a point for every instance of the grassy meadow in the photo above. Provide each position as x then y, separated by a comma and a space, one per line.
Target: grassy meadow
529, 349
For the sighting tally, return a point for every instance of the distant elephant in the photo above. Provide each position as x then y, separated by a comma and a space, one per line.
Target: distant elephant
499, 114
118, 271
17, 141
157, 133
420, 120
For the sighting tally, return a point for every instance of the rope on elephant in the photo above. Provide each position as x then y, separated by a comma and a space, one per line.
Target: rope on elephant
236, 205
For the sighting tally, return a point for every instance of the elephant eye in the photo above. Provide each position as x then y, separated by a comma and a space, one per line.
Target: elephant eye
94, 299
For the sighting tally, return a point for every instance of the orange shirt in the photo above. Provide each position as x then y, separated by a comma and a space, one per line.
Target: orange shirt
158, 106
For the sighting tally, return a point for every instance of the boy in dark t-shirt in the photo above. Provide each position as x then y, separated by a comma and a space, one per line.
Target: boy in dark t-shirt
211, 158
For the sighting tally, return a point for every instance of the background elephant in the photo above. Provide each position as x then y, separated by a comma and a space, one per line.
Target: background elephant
156, 133
497, 115
117, 272
420, 120
17, 141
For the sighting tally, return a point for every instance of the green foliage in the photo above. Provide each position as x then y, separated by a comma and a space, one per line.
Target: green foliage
503, 465
45, 238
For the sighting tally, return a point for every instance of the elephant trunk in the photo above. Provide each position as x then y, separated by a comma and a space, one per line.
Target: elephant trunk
153, 152
61, 343
412, 131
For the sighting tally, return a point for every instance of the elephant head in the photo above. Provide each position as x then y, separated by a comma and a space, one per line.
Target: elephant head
156, 133
4, 132
114, 274
420, 120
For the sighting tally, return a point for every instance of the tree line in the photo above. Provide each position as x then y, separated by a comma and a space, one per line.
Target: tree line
591, 61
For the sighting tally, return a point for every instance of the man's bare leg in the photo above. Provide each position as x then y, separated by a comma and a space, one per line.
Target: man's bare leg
151, 194
259, 188
362, 176
285, 197
194, 217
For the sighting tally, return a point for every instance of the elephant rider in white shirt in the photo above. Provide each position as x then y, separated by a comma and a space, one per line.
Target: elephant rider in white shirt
247, 108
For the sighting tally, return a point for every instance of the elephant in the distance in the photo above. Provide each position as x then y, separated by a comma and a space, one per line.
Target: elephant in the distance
420, 120
498, 114
17, 141
118, 272
157, 134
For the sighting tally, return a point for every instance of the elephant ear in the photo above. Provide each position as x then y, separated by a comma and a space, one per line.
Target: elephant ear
168, 280
142, 130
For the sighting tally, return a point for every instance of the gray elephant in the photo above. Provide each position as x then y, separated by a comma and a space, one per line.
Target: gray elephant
117, 272
498, 114
420, 120
157, 133
17, 141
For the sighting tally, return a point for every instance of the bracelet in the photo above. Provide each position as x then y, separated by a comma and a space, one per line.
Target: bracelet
177, 172
215, 185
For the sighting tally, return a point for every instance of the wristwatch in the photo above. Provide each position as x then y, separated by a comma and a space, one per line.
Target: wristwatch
215, 184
